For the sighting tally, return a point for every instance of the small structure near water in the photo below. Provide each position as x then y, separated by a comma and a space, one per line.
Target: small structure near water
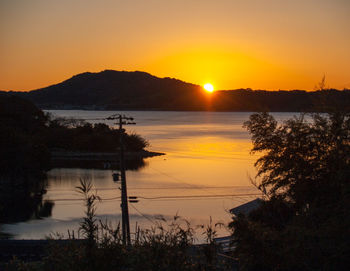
246, 208
225, 242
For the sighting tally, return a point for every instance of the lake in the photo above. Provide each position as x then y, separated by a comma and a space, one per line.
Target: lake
206, 171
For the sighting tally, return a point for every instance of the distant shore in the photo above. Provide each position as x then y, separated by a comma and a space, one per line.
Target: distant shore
111, 156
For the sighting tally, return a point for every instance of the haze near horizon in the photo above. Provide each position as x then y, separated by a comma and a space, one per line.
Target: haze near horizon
231, 44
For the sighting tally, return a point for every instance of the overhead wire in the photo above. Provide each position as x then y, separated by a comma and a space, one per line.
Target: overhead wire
153, 188
194, 196
174, 178
192, 186
77, 199
145, 216
179, 197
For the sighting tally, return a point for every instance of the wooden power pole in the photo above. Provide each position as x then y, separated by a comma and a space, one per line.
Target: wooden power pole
122, 119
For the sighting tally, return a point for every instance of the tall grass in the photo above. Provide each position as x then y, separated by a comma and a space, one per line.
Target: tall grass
167, 245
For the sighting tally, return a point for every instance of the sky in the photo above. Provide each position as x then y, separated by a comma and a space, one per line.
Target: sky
258, 44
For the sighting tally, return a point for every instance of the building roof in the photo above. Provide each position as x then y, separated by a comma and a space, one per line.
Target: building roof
246, 208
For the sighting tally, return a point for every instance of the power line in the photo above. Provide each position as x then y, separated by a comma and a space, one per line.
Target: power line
239, 199
168, 197
198, 196
149, 219
75, 199
172, 177
180, 181
91, 119
193, 199
156, 188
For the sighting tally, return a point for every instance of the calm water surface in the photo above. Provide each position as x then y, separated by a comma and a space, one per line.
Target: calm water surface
207, 160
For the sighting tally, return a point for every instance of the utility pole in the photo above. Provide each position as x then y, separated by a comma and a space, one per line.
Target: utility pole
122, 119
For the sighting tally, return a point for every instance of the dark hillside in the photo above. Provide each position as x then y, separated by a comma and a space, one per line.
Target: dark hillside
261, 100
118, 90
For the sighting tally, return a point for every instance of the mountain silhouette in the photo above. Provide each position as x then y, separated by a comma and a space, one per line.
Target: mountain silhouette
122, 90
119, 90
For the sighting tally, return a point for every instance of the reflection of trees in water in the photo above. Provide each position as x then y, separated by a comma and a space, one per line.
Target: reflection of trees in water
21, 195
21, 198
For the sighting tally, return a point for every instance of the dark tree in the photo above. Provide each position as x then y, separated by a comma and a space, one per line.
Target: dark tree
304, 172
24, 158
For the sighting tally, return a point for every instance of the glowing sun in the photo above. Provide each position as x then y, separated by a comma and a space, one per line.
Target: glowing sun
209, 87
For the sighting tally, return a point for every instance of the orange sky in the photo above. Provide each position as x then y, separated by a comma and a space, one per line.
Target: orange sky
261, 44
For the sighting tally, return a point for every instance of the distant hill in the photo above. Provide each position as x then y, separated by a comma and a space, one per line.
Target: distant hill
118, 90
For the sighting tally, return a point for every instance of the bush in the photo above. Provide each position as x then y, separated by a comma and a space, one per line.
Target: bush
76, 135
304, 172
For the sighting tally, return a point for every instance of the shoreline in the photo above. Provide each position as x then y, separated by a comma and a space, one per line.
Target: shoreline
111, 156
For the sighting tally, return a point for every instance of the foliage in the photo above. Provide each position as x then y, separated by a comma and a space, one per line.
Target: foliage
22, 128
135, 142
88, 226
304, 172
24, 158
301, 156
77, 135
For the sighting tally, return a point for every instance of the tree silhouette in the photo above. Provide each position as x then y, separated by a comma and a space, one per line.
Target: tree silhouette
304, 172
